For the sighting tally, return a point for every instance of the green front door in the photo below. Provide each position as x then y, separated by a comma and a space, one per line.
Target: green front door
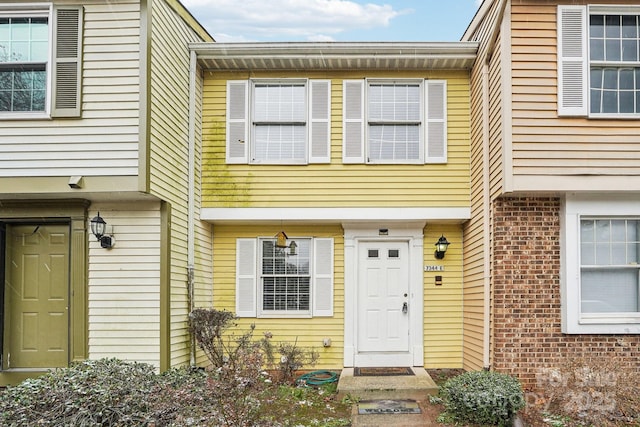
36, 302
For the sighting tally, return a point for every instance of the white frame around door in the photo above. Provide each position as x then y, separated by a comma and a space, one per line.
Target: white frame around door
354, 234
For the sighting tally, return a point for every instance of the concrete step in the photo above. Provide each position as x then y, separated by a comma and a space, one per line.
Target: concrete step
417, 387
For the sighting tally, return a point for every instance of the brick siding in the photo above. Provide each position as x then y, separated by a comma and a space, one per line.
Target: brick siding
526, 322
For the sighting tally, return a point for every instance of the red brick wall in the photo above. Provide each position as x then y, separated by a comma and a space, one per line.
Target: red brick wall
526, 320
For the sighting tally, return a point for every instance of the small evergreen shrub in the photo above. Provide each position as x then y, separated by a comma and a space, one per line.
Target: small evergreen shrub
483, 397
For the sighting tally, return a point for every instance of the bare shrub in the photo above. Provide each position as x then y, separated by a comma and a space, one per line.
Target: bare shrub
599, 392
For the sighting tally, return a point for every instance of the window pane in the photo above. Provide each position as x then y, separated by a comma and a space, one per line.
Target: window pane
613, 50
280, 142
629, 50
612, 26
394, 142
596, 49
596, 26
394, 102
280, 103
629, 27
609, 291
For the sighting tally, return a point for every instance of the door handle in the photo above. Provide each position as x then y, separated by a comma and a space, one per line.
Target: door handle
405, 308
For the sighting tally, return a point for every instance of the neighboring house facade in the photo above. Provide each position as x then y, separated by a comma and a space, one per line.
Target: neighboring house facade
357, 156
95, 117
551, 252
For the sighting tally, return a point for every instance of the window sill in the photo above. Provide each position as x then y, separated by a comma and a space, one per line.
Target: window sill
284, 316
603, 326
25, 116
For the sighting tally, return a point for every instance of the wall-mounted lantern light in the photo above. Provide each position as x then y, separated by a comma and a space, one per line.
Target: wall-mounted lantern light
99, 228
441, 247
281, 242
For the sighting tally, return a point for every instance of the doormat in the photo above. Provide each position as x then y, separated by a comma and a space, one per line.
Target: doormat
373, 407
381, 372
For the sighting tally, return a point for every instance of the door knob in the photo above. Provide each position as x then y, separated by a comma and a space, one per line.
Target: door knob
405, 308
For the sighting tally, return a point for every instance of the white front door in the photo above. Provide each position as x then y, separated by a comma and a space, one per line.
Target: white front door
383, 302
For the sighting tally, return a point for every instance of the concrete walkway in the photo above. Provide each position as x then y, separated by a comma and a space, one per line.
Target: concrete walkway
416, 387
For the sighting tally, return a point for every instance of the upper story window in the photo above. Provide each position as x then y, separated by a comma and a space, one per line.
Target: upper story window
40, 60
599, 61
24, 54
394, 121
278, 121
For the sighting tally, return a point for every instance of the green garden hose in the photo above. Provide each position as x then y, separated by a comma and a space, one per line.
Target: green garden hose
318, 378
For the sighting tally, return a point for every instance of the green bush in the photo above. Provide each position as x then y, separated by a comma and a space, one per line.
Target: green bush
483, 398
91, 393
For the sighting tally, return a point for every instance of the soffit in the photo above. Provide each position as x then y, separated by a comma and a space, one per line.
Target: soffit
384, 56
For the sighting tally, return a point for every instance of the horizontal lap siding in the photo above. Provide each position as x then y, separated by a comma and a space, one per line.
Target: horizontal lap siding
124, 285
304, 332
109, 126
169, 154
485, 174
443, 319
336, 184
543, 143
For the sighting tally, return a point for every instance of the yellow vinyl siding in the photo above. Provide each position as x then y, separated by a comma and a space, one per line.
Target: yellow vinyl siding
168, 161
487, 160
305, 332
336, 184
550, 151
443, 318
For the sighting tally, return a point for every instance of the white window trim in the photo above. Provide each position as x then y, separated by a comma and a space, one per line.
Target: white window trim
262, 313
422, 121
33, 9
573, 321
252, 121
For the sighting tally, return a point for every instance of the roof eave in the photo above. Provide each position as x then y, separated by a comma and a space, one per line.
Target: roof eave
335, 55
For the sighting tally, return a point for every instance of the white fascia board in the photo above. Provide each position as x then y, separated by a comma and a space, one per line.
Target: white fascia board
334, 215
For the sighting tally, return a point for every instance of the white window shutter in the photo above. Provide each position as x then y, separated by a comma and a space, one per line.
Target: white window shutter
322, 277
572, 61
237, 121
435, 150
246, 277
320, 121
67, 62
353, 121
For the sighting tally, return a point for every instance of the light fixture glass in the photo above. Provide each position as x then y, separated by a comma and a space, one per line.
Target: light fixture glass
98, 226
441, 247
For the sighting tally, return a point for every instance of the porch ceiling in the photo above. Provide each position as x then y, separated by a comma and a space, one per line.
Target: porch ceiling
385, 56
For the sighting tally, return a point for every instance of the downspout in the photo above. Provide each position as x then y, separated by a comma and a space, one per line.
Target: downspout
493, 39
486, 233
191, 200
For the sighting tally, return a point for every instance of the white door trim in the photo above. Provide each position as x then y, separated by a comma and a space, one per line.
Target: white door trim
412, 233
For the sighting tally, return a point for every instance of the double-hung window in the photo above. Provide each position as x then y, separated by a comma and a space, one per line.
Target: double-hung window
24, 55
272, 281
394, 121
599, 61
285, 121
602, 289
40, 54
